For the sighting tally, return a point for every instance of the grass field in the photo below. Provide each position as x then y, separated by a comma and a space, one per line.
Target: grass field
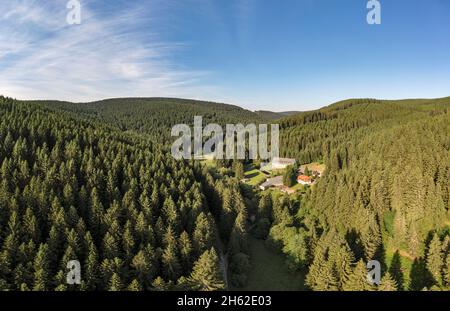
254, 175
269, 271
406, 265
209, 163
315, 166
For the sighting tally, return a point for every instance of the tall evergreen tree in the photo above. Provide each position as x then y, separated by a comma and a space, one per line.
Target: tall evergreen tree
357, 281
321, 275
115, 284
41, 269
185, 250
387, 283
204, 234
170, 263
435, 260
206, 275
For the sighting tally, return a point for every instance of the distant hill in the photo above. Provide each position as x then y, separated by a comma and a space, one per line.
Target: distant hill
308, 136
270, 115
155, 115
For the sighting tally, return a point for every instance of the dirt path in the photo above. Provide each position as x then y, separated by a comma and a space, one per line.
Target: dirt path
223, 260
224, 267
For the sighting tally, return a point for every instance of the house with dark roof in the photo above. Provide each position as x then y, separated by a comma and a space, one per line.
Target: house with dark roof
272, 182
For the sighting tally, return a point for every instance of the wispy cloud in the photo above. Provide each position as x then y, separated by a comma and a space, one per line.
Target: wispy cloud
243, 12
113, 53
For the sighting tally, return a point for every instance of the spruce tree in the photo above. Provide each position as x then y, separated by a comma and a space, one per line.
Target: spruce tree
128, 241
91, 278
41, 269
227, 214
206, 275
290, 176
134, 286
142, 267
185, 250
357, 281
115, 284
110, 247
238, 239
322, 275
160, 285
435, 260
447, 270
387, 283
204, 235
171, 266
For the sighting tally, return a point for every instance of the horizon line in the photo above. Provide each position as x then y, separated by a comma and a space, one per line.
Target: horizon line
219, 102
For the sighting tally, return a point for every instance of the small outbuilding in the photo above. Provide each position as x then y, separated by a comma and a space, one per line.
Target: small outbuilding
304, 180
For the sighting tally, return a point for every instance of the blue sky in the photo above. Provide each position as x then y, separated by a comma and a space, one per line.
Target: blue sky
259, 54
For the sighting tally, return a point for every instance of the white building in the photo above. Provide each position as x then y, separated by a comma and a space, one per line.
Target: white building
281, 163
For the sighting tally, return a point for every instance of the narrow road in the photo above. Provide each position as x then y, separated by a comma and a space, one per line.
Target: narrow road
223, 260
224, 267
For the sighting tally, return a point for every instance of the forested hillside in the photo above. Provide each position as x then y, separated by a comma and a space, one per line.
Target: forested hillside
80, 189
96, 182
154, 116
313, 135
385, 194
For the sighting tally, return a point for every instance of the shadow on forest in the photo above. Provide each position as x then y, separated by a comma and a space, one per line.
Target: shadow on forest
354, 241
252, 175
420, 276
380, 255
396, 271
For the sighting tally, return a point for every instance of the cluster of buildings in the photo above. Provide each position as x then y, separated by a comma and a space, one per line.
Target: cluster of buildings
277, 182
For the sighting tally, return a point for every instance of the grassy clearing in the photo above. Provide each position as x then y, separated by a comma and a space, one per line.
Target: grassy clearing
315, 166
269, 271
406, 264
209, 163
254, 175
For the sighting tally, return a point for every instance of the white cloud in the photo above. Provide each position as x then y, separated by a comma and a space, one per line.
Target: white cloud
113, 55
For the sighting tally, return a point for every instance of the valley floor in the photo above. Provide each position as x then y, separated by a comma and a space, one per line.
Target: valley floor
269, 271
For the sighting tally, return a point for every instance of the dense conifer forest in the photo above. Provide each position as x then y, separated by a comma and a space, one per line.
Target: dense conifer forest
154, 116
385, 194
96, 182
116, 201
